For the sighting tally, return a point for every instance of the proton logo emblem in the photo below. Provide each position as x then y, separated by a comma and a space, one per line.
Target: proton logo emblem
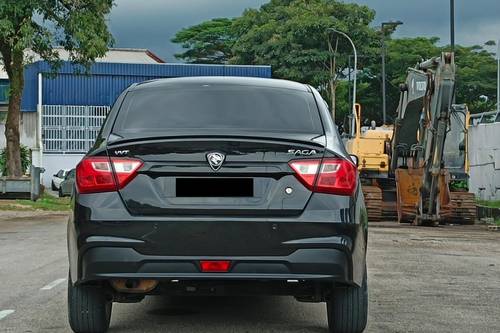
215, 160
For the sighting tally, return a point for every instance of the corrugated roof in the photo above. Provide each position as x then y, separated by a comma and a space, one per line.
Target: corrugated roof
107, 80
122, 55
114, 55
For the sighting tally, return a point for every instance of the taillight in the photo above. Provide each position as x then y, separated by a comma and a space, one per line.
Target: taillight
104, 174
330, 175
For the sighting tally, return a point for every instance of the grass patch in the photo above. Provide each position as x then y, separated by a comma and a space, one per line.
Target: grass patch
489, 203
46, 202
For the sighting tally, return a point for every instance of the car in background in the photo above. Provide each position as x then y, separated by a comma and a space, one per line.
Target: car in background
67, 185
58, 178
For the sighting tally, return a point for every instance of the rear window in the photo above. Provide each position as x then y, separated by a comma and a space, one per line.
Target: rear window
218, 108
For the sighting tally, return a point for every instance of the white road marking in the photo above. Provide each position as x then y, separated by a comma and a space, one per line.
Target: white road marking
53, 284
5, 313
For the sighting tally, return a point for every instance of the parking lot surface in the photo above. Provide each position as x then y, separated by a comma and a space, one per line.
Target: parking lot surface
443, 279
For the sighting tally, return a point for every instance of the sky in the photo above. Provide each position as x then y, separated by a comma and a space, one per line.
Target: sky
151, 24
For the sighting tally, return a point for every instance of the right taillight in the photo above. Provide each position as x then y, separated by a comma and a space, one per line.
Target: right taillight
103, 174
330, 175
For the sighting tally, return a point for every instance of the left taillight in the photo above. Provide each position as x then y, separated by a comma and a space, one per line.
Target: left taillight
330, 175
103, 174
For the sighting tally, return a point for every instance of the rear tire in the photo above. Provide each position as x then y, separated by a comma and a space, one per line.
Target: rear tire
347, 310
89, 310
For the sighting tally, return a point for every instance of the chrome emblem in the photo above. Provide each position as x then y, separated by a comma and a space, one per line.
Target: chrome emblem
215, 160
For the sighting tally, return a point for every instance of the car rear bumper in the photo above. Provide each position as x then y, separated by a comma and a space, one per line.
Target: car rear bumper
100, 263
105, 242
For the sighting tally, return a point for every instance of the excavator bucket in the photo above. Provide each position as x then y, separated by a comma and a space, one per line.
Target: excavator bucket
408, 193
408, 182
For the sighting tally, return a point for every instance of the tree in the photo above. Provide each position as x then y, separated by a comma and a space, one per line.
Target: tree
209, 42
38, 25
292, 36
476, 77
402, 54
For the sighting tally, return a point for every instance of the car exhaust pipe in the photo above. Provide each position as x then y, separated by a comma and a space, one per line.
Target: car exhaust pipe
133, 286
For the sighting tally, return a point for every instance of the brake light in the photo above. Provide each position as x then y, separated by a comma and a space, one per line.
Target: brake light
215, 266
104, 174
330, 175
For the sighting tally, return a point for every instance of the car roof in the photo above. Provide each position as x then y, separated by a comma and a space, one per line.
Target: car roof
220, 80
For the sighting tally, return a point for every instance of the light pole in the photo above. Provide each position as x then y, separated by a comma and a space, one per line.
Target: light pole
452, 25
355, 69
390, 24
498, 76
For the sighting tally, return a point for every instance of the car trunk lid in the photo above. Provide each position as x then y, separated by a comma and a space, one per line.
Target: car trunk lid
216, 175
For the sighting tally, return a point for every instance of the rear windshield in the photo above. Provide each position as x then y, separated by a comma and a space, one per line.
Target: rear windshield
218, 108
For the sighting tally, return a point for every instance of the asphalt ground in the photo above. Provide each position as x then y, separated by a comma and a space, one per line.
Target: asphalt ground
443, 279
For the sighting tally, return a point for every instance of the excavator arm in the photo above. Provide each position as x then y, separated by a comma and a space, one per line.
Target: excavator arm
420, 132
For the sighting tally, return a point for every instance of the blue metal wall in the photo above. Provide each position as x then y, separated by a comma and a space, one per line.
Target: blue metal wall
106, 81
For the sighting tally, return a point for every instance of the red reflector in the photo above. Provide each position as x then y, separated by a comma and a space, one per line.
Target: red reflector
103, 174
330, 175
218, 266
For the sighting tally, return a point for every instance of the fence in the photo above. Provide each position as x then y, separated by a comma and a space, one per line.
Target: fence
484, 156
71, 129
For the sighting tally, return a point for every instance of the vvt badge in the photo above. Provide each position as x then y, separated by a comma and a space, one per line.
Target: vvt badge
215, 160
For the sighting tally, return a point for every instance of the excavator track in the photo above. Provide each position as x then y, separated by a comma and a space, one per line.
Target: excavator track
390, 211
463, 208
373, 201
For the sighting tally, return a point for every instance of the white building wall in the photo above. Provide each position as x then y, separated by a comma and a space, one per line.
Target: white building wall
55, 162
28, 128
484, 157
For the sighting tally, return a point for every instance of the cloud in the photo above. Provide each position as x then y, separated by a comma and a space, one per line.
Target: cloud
152, 23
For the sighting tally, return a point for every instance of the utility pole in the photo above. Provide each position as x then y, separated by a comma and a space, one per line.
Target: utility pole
498, 76
391, 24
452, 24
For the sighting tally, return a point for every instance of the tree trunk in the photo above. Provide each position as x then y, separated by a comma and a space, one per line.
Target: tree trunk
12, 136
333, 98
333, 76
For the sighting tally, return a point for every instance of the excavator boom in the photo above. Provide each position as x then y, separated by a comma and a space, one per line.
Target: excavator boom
419, 139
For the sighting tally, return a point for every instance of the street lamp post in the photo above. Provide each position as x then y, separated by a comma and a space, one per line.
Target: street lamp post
498, 76
452, 25
355, 70
393, 24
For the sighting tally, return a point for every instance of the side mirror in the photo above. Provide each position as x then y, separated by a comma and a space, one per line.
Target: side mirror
354, 159
55, 175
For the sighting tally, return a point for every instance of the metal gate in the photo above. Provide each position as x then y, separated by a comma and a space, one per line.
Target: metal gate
71, 129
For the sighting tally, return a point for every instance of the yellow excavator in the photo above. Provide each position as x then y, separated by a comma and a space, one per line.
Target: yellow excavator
372, 146
417, 169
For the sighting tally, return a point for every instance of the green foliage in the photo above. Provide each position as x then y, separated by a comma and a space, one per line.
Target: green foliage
459, 185
39, 25
45, 203
209, 42
489, 203
292, 36
477, 76
25, 160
